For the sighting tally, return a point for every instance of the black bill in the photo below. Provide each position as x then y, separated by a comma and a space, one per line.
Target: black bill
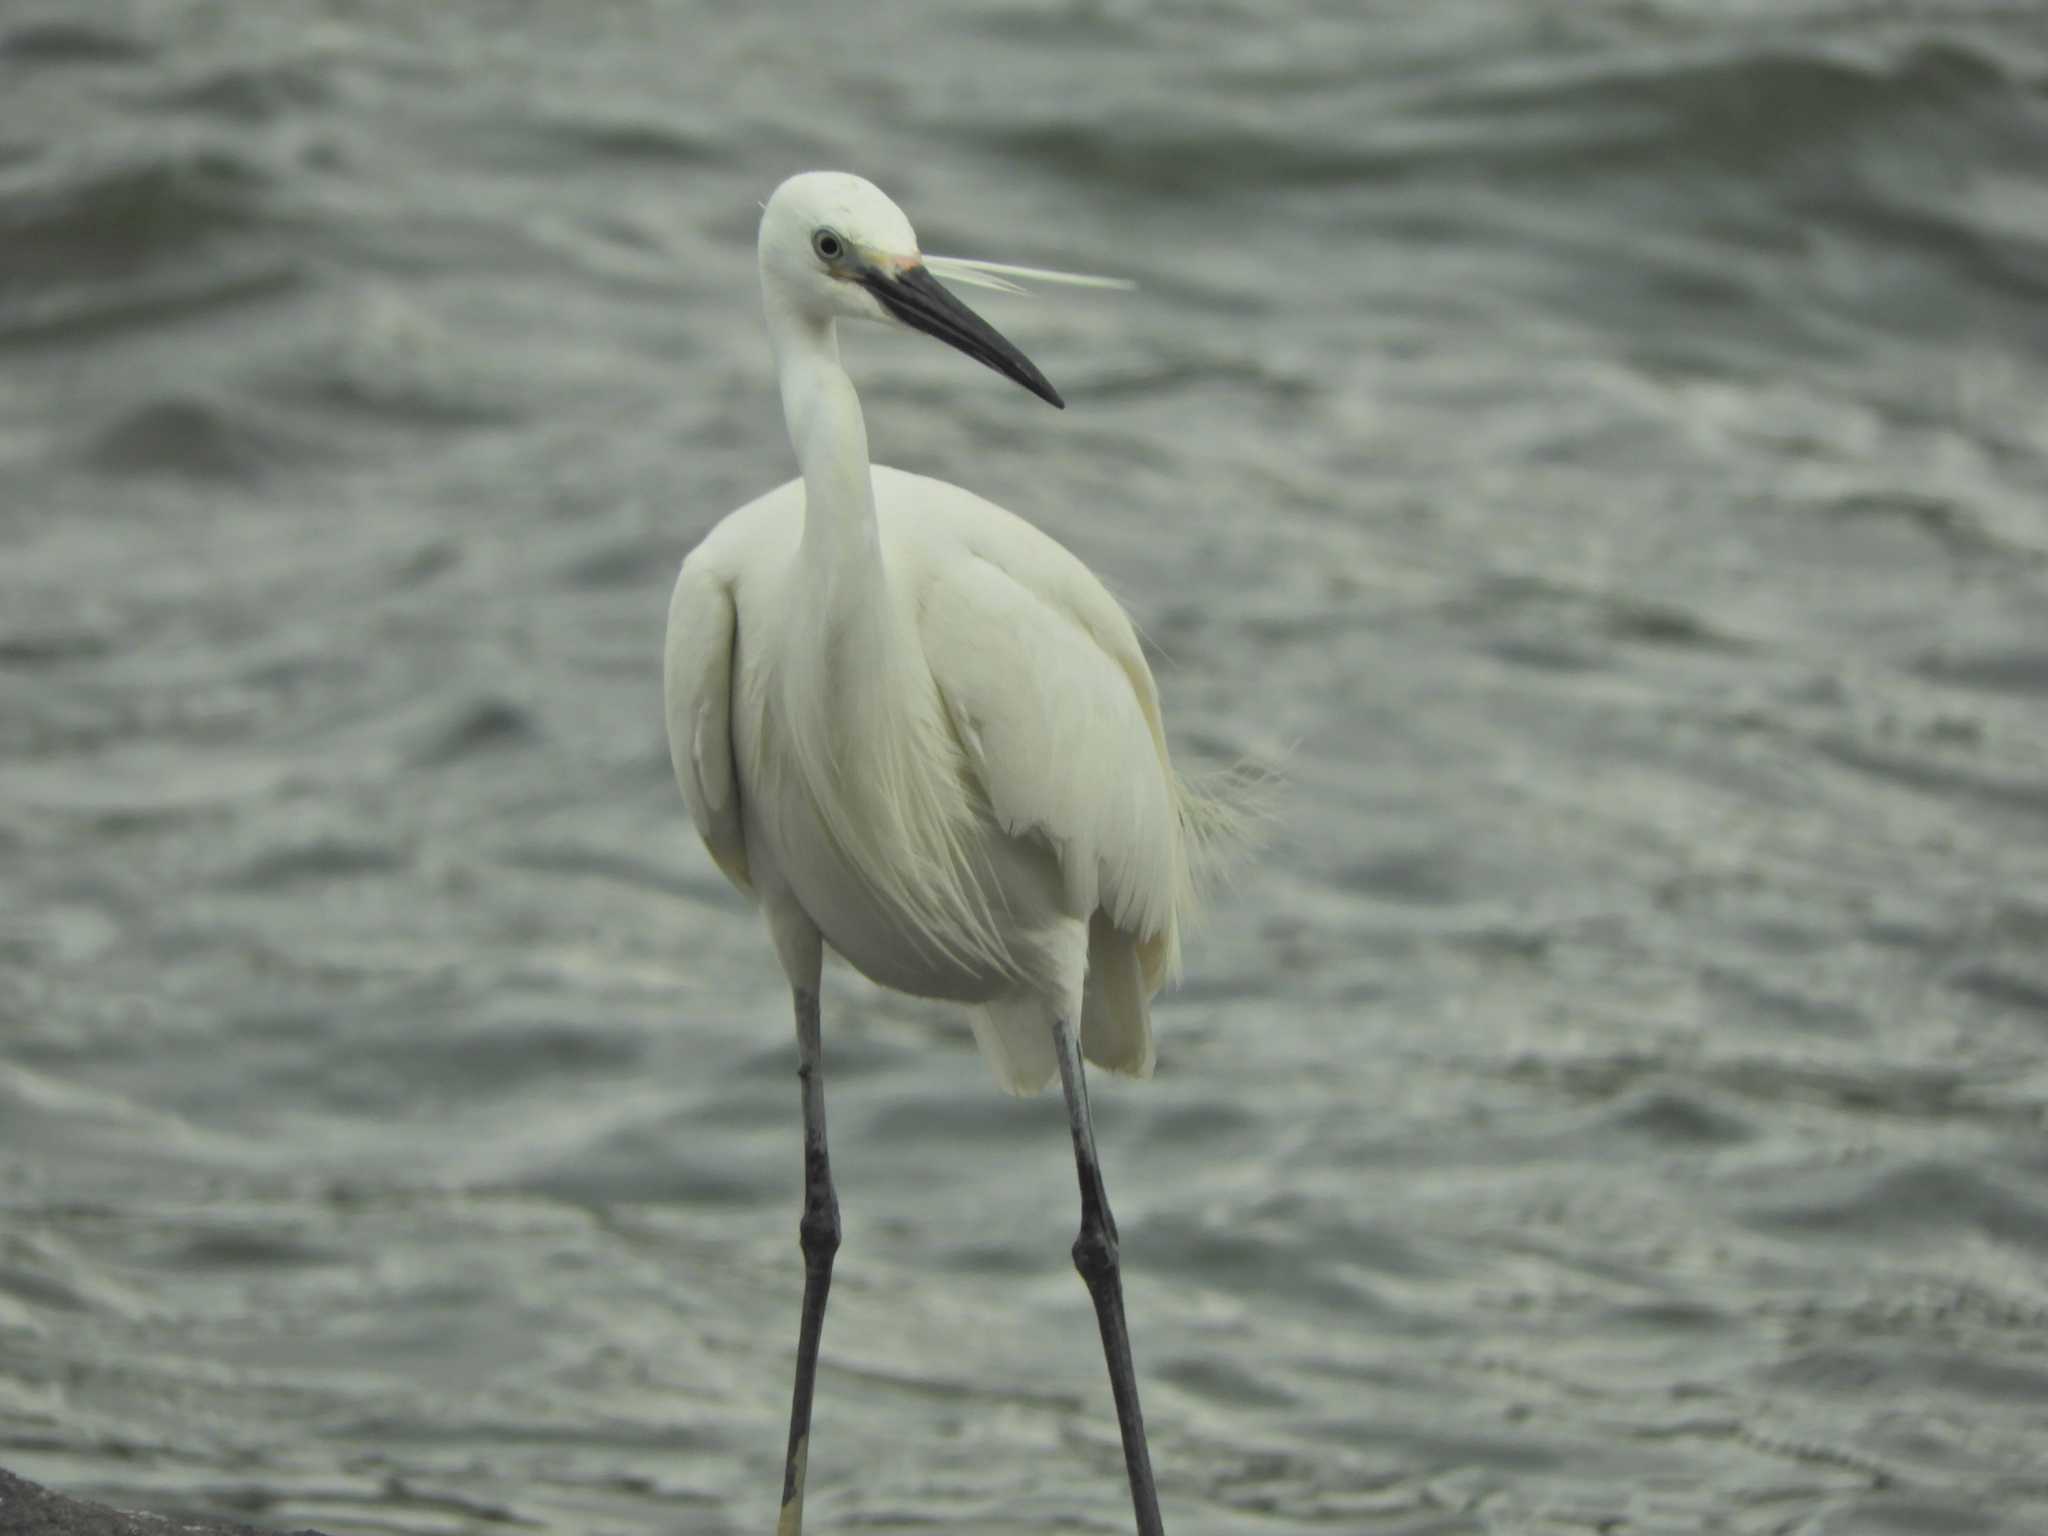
918, 299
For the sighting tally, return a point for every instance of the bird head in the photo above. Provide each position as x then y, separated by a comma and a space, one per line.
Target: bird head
833, 247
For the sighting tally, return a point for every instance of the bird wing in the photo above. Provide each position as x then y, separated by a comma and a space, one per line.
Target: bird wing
697, 683
1049, 693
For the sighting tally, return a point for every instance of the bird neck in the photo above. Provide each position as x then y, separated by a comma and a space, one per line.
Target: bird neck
831, 441
856, 637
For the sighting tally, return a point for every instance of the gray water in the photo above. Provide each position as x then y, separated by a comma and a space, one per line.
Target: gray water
1599, 452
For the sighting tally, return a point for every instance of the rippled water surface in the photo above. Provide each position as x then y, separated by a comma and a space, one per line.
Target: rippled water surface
1601, 450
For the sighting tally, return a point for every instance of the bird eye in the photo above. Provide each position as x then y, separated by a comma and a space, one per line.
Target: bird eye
828, 245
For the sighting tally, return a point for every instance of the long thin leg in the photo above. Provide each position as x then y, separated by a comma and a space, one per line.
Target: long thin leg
1095, 1256
819, 1232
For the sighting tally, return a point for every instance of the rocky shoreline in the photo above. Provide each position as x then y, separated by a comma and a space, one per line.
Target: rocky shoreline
28, 1509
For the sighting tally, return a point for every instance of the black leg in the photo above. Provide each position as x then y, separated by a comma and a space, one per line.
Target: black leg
1095, 1256
819, 1231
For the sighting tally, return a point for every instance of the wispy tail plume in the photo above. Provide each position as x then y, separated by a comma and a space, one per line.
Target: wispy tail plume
1223, 817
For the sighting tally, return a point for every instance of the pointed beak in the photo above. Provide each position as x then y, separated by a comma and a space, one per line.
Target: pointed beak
916, 298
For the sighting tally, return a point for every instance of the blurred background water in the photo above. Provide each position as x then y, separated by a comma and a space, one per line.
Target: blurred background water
1601, 447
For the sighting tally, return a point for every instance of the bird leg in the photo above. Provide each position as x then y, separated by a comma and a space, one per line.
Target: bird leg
819, 1232
1095, 1256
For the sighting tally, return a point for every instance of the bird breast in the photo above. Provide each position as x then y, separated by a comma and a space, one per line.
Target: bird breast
859, 804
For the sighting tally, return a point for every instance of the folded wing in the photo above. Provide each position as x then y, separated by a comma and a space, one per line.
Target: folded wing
697, 684
1051, 698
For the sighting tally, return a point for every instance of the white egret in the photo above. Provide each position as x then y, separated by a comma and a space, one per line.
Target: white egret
920, 731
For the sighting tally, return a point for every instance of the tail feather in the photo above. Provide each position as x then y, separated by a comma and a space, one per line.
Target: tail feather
1116, 1011
1217, 817
1015, 1034
1016, 1037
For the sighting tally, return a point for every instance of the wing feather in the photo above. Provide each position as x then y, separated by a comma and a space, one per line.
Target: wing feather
1051, 700
697, 684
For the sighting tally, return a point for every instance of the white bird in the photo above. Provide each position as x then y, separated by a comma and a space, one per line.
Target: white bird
918, 730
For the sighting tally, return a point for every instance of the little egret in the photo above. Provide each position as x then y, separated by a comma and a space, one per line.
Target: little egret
920, 731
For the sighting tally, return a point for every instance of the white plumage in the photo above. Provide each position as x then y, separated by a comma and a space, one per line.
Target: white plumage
907, 719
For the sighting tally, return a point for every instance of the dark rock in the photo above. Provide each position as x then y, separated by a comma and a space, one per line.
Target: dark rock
27, 1510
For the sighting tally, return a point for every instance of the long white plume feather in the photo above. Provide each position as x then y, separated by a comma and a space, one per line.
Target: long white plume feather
998, 275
